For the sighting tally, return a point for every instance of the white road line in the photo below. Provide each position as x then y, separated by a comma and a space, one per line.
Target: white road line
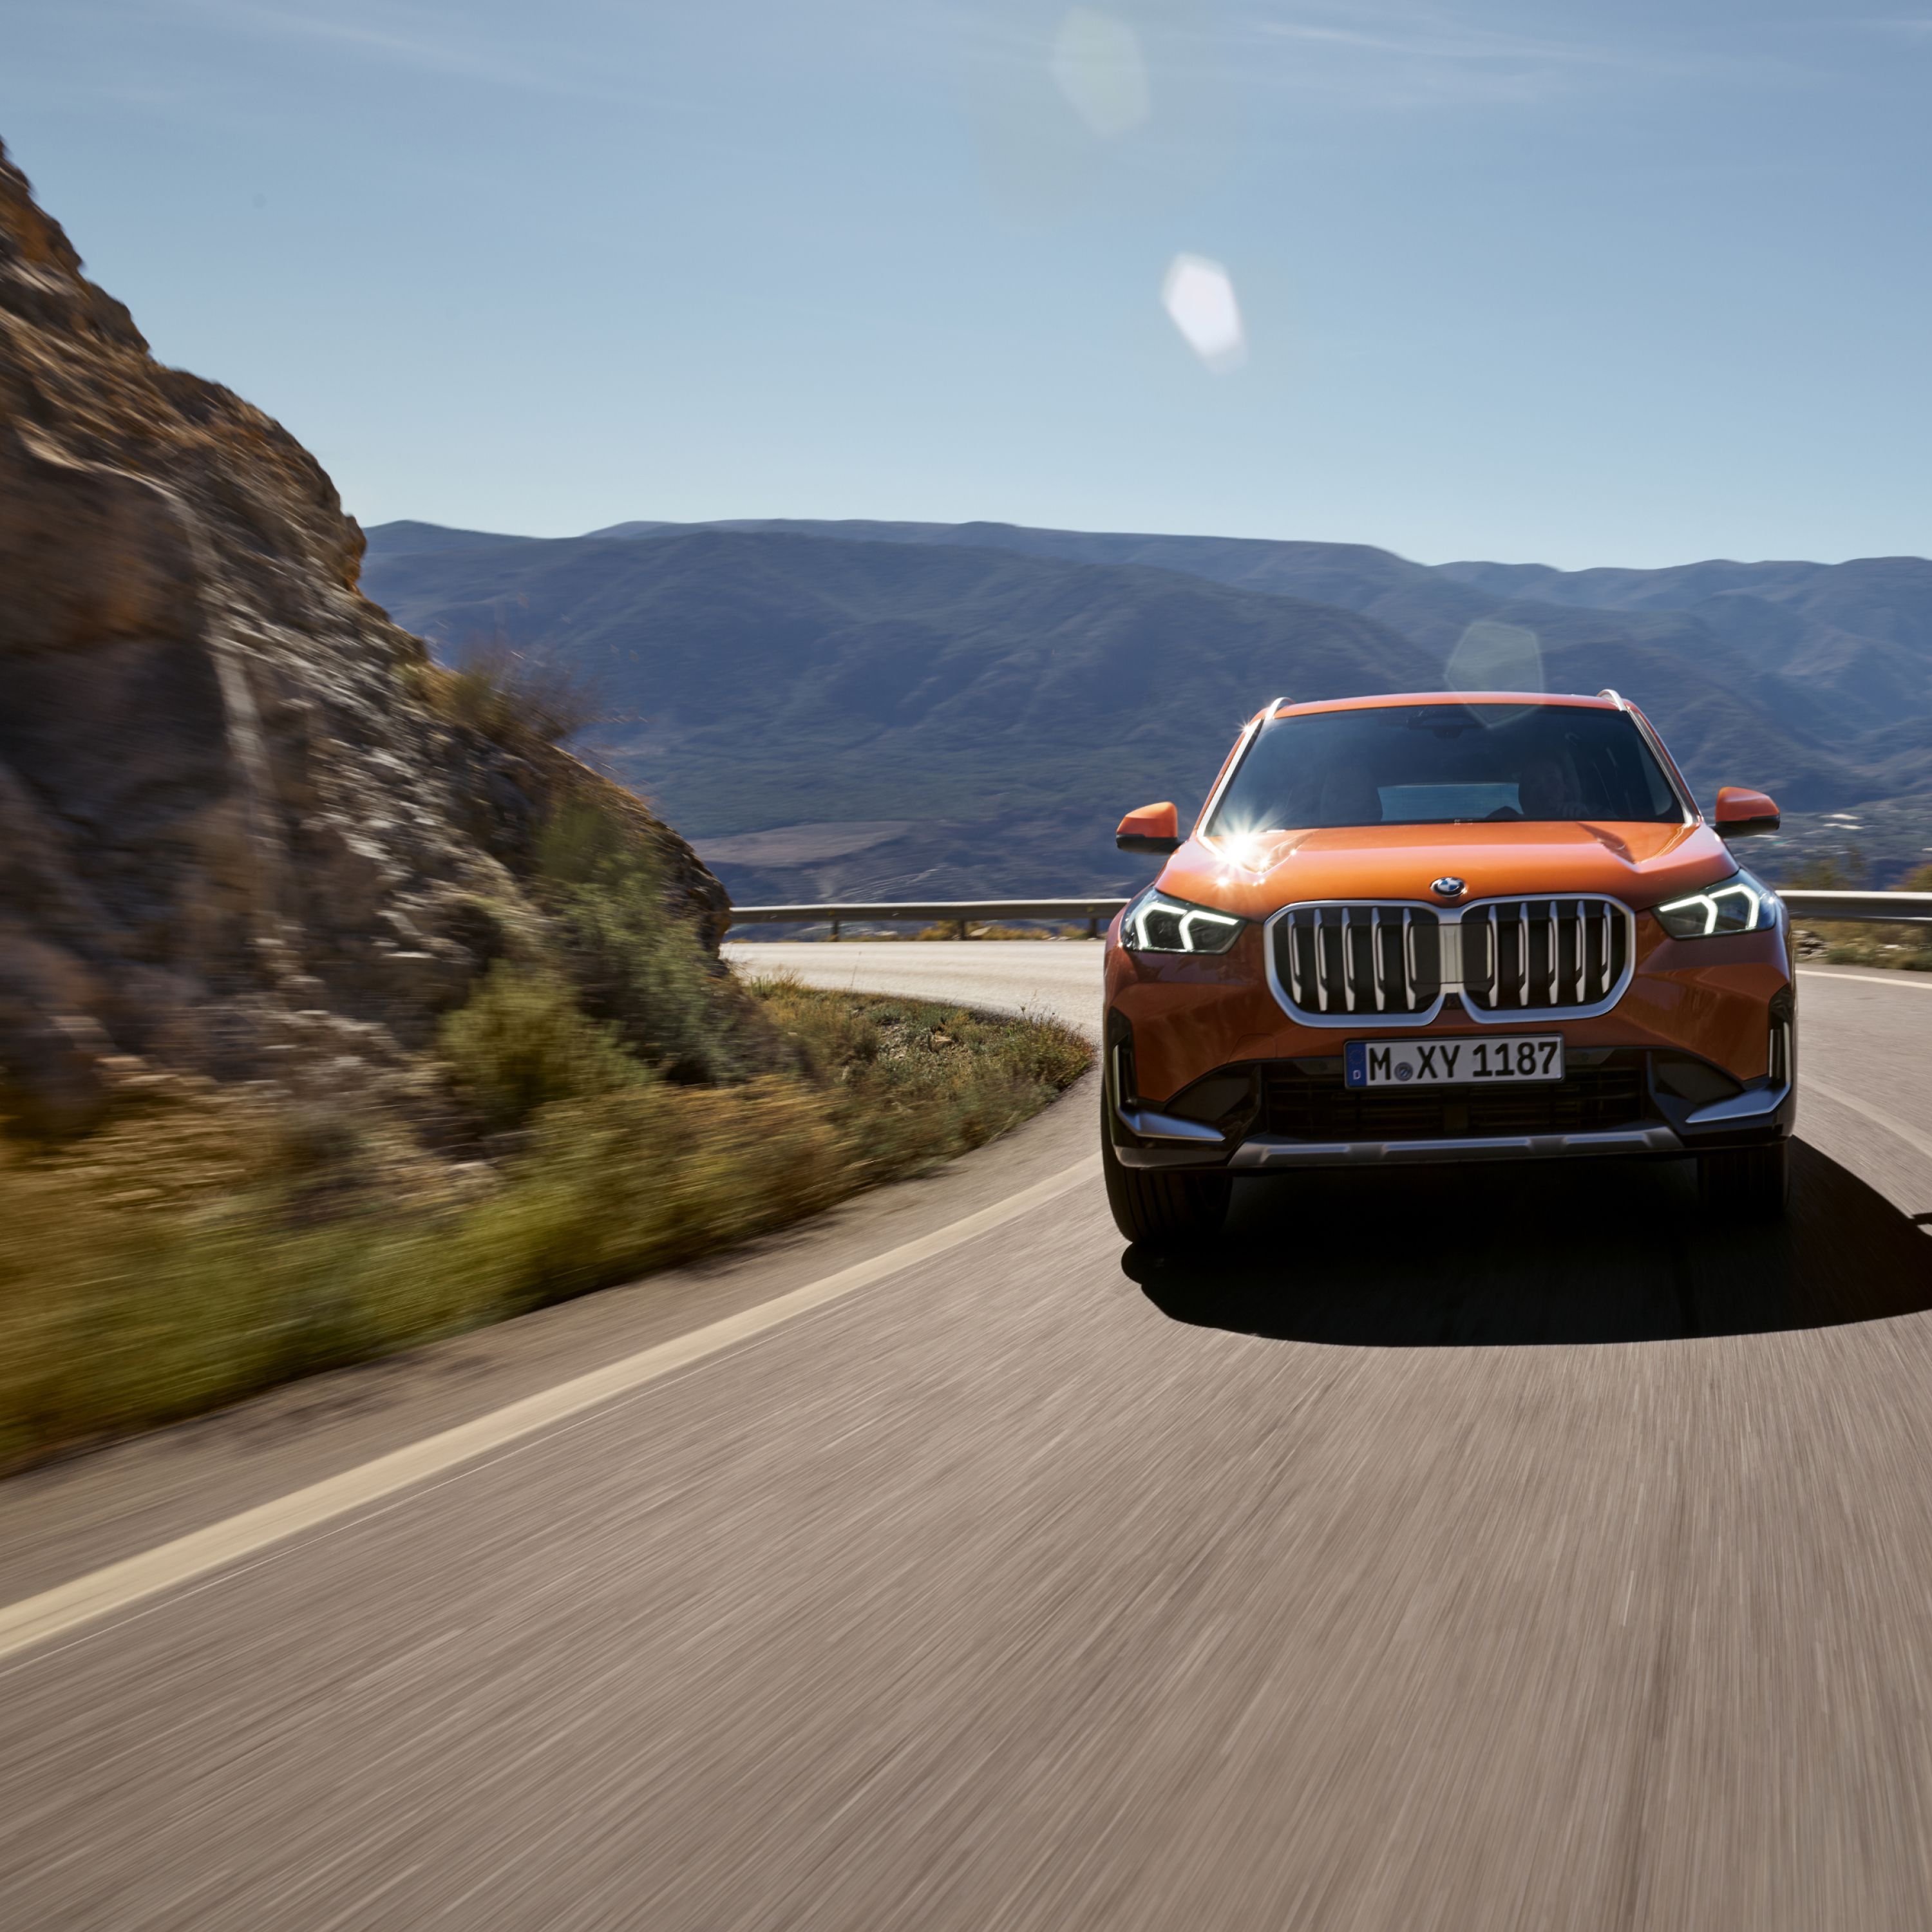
35, 1619
1878, 1117
1919, 983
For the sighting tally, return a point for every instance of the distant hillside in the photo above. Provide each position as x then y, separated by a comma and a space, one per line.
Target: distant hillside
766, 679
980, 701
1849, 645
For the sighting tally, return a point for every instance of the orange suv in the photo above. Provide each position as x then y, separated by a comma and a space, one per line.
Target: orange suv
1444, 927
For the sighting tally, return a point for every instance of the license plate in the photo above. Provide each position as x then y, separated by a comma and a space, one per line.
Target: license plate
1491, 1061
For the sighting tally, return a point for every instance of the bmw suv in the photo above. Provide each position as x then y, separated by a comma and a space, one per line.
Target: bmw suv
1445, 927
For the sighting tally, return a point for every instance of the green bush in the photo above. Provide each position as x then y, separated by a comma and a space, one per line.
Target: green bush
523, 1043
636, 967
647, 976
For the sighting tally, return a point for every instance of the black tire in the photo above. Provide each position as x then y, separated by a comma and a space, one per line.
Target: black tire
1159, 1208
1746, 1184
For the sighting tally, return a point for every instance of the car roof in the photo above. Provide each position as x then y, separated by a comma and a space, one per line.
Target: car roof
1604, 700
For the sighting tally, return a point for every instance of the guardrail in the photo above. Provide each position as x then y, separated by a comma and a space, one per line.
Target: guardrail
958, 912
1885, 908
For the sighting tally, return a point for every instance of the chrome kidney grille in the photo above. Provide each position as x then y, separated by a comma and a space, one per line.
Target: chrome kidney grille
1359, 959
1338, 964
1543, 954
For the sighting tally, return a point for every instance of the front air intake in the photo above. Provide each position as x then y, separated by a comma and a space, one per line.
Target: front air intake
1344, 964
1342, 959
1543, 954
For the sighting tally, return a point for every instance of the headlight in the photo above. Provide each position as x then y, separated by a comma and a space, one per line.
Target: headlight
1739, 904
1155, 923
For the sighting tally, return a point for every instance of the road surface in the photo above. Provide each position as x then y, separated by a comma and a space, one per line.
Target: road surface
1500, 1549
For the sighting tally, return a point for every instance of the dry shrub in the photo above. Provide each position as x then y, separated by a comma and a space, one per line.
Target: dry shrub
112, 1320
612, 1187
510, 694
201, 1247
908, 1082
1909, 948
957, 928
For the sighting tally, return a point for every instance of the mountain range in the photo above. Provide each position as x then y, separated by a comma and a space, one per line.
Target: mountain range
832, 709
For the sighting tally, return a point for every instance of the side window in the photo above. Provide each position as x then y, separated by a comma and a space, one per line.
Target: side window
1662, 800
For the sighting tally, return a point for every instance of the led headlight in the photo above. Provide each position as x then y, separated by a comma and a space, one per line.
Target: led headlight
1739, 904
1155, 923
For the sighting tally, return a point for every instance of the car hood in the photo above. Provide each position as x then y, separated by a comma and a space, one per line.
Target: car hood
1257, 874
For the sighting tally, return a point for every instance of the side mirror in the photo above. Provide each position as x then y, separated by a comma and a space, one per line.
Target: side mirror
1741, 812
1154, 828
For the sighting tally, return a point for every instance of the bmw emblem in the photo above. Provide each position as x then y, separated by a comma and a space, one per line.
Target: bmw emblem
1448, 888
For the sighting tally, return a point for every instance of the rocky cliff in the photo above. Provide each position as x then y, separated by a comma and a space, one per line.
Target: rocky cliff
239, 837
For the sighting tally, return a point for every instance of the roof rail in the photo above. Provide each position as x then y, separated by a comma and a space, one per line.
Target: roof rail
1616, 697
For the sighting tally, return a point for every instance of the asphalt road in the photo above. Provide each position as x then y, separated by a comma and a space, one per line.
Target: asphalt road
1506, 1549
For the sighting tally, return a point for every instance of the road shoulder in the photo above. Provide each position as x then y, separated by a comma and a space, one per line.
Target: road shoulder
81, 1512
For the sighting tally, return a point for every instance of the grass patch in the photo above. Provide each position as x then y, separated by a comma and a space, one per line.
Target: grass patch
960, 929
873, 931
204, 1245
1905, 948
1853, 943
906, 1083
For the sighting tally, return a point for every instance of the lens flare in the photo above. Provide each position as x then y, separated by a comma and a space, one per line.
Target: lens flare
1491, 656
1199, 299
1097, 64
1077, 106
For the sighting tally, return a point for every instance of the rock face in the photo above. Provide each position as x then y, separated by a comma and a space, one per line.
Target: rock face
236, 839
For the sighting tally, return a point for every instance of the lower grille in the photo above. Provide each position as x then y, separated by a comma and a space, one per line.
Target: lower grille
1303, 1106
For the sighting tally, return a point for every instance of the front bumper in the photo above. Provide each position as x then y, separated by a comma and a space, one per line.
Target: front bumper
1684, 1062
1265, 1155
1631, 1112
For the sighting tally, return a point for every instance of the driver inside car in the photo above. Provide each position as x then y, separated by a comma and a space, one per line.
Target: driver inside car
1543, 790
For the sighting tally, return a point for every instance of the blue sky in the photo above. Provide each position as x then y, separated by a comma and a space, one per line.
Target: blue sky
1571, 282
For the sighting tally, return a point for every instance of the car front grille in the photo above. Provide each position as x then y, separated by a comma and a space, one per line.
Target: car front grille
1299, 1105
1543, 954
1359, 959
1337, 963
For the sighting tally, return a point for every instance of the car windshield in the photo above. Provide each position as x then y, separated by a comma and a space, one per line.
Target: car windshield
1445, 764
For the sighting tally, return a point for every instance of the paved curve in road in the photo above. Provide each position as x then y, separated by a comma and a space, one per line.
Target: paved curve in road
1499, 1549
